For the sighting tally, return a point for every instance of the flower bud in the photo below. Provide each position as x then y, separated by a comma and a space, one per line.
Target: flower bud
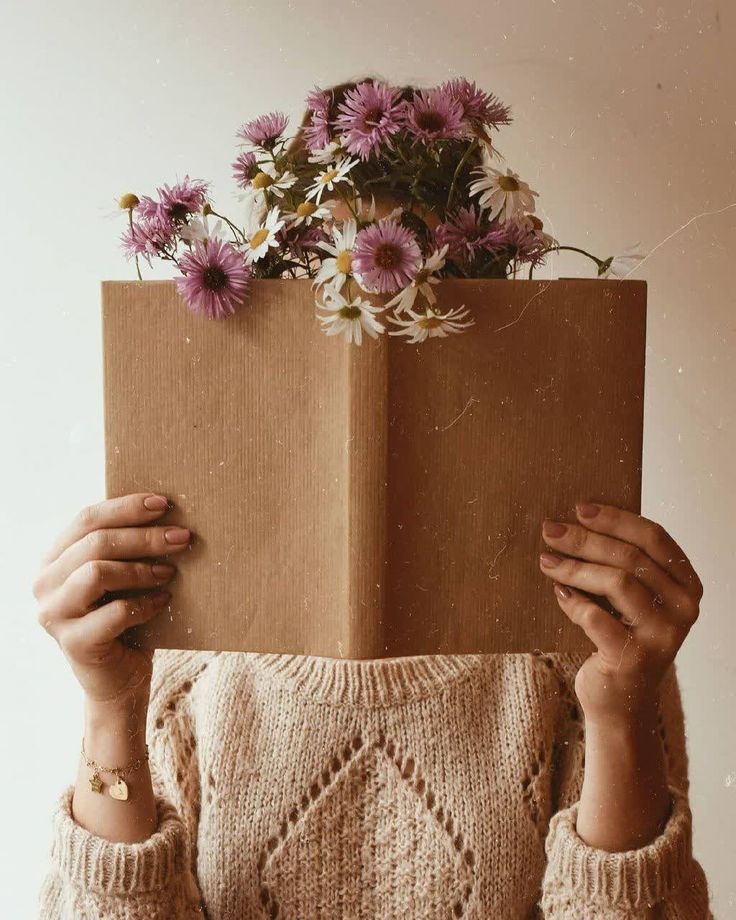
129, 201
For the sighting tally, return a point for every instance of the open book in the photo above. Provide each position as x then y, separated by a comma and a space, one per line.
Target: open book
377, 500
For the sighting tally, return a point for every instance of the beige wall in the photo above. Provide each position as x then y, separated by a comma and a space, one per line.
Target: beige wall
625, 125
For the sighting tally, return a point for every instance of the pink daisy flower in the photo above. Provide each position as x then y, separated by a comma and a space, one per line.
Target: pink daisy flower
464, 235
477, 105
369, 116
434, 114
175, 202
215, 278
146, 238
385, 256
317, 134
265, 130
242, 168
522, 244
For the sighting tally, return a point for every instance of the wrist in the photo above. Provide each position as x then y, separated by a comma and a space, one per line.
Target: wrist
122, 721
625, 724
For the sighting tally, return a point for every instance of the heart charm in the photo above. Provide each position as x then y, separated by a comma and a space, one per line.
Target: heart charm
119, 790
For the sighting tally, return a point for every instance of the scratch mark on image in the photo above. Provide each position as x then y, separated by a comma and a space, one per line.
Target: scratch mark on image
457, 418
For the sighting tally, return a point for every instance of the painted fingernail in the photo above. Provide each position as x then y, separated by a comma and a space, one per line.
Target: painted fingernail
176, 535
549, 559
155, 503
587, 511
563, 590
553, 529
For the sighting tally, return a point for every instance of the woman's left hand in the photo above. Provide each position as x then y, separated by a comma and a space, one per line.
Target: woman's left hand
654, 596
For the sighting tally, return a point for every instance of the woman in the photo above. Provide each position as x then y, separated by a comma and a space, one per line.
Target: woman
282, 786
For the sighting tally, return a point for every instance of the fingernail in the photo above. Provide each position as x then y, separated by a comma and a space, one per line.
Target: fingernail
587, 511
549, 559
161, 570
553, 529
160, 597
176, 535
155, 503
562, 590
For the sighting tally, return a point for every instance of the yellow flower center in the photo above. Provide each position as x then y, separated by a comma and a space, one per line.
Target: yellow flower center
329, 176
344, 261
508, 183
262, 180
258, 237
429, 322
350, 312
305, 208
421, 276
129, 201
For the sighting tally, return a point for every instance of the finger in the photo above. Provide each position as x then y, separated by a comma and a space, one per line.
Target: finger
647, 535
604, 631
117, 543
627, 594
78, 636
586, 544
87, 584
123, 511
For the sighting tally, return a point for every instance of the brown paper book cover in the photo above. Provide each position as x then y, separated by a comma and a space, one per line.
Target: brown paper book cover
378, 500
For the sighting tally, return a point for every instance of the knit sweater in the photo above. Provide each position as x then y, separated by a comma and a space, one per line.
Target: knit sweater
420, 788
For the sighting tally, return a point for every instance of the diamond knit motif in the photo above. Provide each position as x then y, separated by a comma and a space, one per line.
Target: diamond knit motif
400, 855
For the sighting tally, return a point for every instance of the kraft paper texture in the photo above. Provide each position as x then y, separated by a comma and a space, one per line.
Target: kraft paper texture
381, 500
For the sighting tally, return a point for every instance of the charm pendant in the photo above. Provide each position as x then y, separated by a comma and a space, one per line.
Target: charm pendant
119, 790
96, 783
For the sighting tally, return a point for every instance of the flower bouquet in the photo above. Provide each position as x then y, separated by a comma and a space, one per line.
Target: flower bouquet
426, 156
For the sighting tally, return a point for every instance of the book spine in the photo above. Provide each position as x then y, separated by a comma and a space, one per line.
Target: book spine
367, 464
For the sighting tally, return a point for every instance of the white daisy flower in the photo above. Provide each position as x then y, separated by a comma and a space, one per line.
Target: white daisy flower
198, 228
307, 211
261, 234
338, 269
270, 179
328, 178
421, 283
349, 317
505, 194
327, 154
431, 324
622, 265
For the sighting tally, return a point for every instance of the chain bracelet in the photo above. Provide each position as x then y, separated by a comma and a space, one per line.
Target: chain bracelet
118, 790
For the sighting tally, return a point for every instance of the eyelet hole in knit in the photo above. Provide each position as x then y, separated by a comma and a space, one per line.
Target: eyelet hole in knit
531, 793
410, 774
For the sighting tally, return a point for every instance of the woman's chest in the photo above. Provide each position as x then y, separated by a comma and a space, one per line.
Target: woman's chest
377, 813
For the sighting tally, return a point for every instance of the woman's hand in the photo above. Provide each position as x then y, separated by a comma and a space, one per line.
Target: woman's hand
101, 552
654, 596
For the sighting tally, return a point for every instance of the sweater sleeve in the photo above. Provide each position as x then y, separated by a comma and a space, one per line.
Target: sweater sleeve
92, 878
661, 879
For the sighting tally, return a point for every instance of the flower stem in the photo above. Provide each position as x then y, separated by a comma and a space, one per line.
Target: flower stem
598, 262
230, 224
471, 146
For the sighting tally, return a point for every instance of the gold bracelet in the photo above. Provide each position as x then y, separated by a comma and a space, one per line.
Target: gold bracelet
118, 790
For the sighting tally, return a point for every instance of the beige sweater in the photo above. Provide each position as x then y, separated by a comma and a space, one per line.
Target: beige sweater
420, 788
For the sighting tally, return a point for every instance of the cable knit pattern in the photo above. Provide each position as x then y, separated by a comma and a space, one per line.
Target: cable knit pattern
292, 787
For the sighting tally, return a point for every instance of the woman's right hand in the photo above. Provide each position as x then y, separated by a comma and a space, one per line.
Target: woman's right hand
104, 550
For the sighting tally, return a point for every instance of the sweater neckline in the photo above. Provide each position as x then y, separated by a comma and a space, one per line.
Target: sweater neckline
368, 681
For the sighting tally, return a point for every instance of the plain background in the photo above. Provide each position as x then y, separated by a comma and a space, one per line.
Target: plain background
624, 123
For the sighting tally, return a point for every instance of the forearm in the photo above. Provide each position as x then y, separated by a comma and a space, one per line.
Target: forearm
114, 735
625, 801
